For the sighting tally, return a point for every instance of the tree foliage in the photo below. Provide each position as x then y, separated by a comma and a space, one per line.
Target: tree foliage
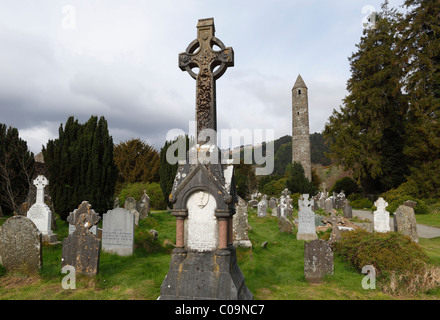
16, 169
81, 166
296, 180
420, 47
136, 161
245, 179
366, 135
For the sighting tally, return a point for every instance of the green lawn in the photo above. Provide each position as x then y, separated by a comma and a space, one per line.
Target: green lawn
275, 272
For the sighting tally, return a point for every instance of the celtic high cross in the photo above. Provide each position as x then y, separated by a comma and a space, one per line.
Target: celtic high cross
212, 65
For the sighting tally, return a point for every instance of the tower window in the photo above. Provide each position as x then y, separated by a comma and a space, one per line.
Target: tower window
299, 91
298, 113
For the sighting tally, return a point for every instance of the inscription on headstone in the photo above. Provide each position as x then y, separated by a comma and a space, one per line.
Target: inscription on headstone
201, 227
118, 232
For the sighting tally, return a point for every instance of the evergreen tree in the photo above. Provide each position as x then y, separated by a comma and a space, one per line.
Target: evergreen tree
136, 161
167, 171
297, 182
420, 46
16, 170
81, 166
245, 179
366, 135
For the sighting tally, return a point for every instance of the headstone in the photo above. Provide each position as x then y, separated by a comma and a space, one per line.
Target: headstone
240, 225
334, 220
381, 217
87, 215
81, 249
253, 203
284, 225
306, 219
328, 205
130, 205
118, 232
322, 201
272, 203
40, 214
318, 260
405, 222
347, 211
20, 246
143, 206
262, 209
204, 263
289, 208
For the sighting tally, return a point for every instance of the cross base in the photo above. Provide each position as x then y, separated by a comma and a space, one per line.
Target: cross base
204, 276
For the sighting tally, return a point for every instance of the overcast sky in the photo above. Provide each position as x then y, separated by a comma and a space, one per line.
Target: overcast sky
118, 59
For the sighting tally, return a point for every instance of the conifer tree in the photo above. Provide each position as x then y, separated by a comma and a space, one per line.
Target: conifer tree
421, 49
16, 169
136, 161
367, 134
81, 167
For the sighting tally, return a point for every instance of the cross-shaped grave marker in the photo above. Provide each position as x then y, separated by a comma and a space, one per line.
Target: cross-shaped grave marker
212, 65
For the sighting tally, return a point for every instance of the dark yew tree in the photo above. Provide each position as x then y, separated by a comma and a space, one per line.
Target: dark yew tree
81, 166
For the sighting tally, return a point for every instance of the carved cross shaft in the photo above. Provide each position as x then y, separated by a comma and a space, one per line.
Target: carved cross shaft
212, 65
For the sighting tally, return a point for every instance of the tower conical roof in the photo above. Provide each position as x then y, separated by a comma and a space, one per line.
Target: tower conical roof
299, 83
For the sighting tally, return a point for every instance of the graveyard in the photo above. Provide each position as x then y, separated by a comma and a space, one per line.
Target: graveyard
88, 219
272, 272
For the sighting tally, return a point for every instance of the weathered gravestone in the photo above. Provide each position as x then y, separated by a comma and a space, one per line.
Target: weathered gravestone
272, 203
143, 205
253, 203
381, 217
328, 205
405, 222
131, 205
284, 225
20, 246
318, 260
204, 264
81, 249
40, 213
334, 220
262, 209
118, 232
86, 213
241, 225
347, 211
306, 219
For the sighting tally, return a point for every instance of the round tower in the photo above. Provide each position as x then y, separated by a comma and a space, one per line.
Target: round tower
300, 127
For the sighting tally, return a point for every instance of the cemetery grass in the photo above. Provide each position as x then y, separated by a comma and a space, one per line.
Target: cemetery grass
275, 272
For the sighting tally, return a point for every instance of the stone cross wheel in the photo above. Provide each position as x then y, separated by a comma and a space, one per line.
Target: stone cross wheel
212, 64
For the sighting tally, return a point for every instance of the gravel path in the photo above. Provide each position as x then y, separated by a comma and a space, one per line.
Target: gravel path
422, 230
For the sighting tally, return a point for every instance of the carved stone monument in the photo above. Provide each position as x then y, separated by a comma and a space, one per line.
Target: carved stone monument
40, 213
204, 264
241, 225
381, 217
318, 260
306, 219
81, 249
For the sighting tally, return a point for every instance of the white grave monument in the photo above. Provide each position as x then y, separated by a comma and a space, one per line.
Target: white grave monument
381, 216
40, 213
306, 219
